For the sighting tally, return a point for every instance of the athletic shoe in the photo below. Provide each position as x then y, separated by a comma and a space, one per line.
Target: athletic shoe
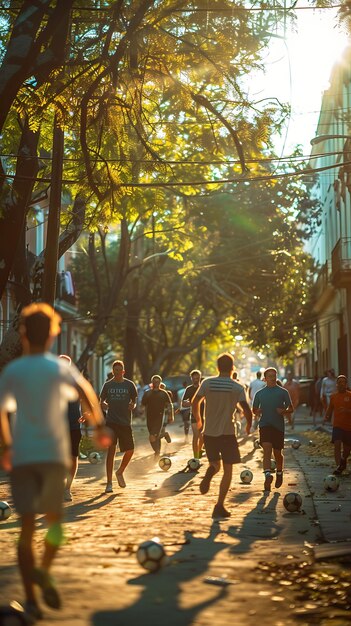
50, 594
109, 488
206, 481
268, 482
341, 467
279, 479
120, 480
167, 437
67, 496
33, 612
219, 512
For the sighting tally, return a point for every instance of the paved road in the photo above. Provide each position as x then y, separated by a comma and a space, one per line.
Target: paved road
103, 585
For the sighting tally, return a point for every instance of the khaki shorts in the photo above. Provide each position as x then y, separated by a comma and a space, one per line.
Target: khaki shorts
38, 487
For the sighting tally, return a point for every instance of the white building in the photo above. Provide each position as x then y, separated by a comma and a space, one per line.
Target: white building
331, 243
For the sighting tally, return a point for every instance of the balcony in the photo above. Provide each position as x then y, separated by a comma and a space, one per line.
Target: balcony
341, 263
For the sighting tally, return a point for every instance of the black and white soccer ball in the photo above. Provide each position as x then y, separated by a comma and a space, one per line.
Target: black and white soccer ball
193, 464
331, 482
151, 555
165, 463
246, 476
256, 444
292, 502
295, 444
94, 457
5, 510
13, 614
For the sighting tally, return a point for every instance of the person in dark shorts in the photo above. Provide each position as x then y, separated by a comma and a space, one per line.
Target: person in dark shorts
340, 407
74, 420
271, 404
157, 401
119, 397
36, 450
221, 394
189, 393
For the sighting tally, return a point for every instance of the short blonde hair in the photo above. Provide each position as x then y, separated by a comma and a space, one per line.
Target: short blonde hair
38, 322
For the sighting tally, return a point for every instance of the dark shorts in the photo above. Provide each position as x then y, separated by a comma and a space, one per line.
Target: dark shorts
38, 487
269, 434
339, 434
224, 447
154, 424
76, 436
122, 435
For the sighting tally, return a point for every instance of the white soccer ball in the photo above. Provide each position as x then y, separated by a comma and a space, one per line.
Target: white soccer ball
151, 555
5, 510
246, 476
292, 502
94, 457
295, 444
165, 463
331, 482
194, 464
256, 444
273, 465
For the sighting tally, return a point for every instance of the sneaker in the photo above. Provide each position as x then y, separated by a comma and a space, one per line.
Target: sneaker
206, 481
268, 482
279, 479
120, 480
341, 467
109, 488
67, 497
219, 512
167, 437
32, 611
50, 594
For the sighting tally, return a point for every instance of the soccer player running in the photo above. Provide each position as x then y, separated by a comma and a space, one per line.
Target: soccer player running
37, 453
156, 401
221, 394
189, 393
271, 404
340, 406
119, 397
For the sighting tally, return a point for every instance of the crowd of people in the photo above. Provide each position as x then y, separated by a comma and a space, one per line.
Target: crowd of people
51, 399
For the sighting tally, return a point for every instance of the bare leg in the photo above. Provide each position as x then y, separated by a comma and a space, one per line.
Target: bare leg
125, 460
279, 457
53, 539
25, 555
337, 452
197, 441
267, 455
225, 482
72, 472
110, 460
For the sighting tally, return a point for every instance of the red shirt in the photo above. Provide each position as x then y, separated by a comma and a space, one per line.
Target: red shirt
340, 404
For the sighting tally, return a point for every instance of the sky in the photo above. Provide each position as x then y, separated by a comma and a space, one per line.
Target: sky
298, 69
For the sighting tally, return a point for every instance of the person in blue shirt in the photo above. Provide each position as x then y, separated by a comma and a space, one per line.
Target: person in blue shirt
270, 405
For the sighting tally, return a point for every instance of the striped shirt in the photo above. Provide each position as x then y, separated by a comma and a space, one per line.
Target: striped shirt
221, 394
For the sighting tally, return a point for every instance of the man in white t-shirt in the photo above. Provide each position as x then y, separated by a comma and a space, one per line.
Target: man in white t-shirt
221, 394
37, 388
254, 387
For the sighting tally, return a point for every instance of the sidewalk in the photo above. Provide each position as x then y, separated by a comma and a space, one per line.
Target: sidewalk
103, 585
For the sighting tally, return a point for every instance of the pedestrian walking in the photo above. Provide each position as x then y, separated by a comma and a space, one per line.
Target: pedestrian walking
118, 397
189, 393
36, 445
156, 402
340, 410
221, 394
271, 404
328, 387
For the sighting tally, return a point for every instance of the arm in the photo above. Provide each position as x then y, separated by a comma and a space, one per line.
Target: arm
248, 415
186, 400
92, 411
195, 409
6, 440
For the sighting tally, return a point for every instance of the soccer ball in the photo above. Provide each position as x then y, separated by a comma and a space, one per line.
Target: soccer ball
331, 483
5, 510
165, 463
246, 476
273, 465
292, 502
194, 464
151, 555
295, 444
94, 457
256, 444
13, 615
